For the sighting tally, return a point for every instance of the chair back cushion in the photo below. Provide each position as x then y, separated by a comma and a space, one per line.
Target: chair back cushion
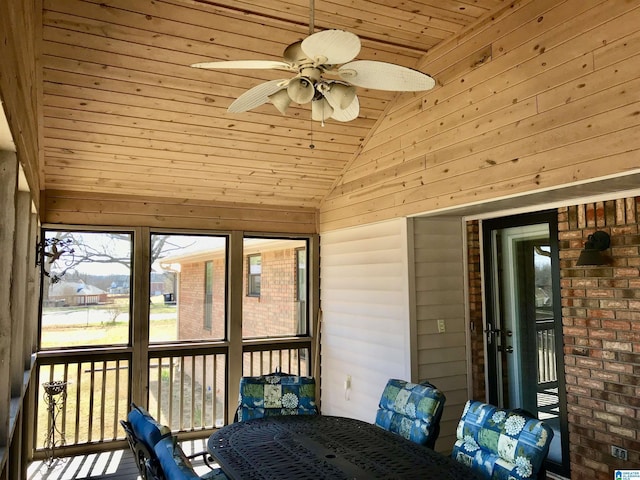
412, 410
145, 427
276, 394
175, 464
500, 443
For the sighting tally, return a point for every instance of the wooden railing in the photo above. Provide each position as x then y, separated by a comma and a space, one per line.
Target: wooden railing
187, 388
546, 343
187, 391
289, 357
94, 400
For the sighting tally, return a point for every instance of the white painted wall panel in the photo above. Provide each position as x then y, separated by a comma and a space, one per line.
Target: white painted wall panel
364, 293
381, 284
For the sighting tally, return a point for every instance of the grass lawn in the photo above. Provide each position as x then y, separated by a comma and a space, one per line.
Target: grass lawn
102, 325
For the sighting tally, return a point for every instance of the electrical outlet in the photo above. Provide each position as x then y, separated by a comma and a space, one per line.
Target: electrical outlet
619, 452
441, 326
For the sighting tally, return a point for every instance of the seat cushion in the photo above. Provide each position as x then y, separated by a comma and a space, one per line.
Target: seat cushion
500, 443
145, 427
276, 394
412, 410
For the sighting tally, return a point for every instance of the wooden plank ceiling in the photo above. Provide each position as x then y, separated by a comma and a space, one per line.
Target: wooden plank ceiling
124, 113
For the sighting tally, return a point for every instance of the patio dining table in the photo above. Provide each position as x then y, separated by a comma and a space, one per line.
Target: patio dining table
325, 447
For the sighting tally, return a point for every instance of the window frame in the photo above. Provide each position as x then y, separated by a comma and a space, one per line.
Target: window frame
207, 321
252, 276
87, 229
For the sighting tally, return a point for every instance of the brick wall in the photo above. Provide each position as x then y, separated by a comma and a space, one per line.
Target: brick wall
475, 309
191, 301
601, 326
601, 313
273, 313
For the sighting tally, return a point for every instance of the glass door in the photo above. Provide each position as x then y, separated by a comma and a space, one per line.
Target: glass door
523, 327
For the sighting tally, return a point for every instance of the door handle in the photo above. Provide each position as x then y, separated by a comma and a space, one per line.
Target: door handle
507, 349
490, 332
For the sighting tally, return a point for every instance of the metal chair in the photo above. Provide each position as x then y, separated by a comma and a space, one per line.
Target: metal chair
157, 453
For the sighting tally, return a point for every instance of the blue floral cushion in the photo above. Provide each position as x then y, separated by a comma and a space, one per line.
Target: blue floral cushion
276, 394
412, 410
501, 444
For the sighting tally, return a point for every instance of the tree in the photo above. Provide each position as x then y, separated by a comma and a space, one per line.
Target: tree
100, 248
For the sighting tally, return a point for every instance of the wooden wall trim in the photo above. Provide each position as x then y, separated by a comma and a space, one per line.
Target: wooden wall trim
82, 208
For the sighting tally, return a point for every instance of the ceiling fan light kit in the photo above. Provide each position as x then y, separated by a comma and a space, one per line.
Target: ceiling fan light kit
314, 61
281, 100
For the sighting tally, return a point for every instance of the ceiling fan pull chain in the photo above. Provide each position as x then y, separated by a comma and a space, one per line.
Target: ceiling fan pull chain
311, 145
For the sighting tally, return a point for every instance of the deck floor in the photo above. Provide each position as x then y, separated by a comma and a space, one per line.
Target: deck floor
115, 465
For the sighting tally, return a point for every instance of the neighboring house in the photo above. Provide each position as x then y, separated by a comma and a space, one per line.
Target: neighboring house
274, 305
274, 291
75, 293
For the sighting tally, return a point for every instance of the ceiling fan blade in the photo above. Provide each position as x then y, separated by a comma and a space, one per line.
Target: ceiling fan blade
256, 96
246, 64
385, 76
347, 114
331, 47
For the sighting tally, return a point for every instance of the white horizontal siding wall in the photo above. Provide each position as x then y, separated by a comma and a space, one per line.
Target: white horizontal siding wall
440, 294
364, 294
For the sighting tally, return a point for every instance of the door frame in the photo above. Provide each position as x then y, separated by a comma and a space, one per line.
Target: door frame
549, 217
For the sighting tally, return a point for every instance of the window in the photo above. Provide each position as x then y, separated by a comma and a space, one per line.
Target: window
277, 270
86, 292
208, 294
254, 275
188, 287
301, 289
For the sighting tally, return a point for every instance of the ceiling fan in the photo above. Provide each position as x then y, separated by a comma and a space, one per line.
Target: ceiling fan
325, 75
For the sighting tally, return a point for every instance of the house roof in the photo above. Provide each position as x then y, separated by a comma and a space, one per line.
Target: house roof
125, 113
64, 288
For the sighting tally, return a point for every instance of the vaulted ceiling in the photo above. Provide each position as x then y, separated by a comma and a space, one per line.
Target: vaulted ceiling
125, 113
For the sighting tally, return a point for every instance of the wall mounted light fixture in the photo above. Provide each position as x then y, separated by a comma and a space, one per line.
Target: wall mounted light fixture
596, 243
53, 249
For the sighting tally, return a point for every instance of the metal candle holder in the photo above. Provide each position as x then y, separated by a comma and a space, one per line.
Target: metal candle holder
55, 395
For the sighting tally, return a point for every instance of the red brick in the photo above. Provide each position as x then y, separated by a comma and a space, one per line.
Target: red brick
621, 410
603, 334
624, 432
621, 346
599, 293
598, 313
607, 376
589, 363
609, 418
575, 331
625, 272
618, 367
616, 325
591, 383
